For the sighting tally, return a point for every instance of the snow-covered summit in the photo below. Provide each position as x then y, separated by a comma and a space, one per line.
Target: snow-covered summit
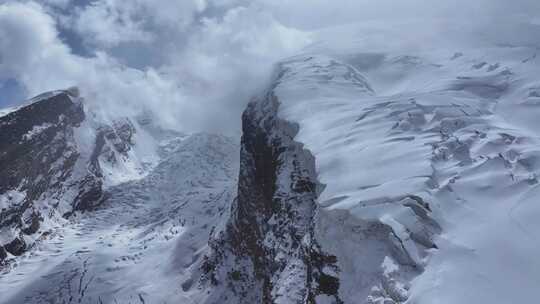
439, 146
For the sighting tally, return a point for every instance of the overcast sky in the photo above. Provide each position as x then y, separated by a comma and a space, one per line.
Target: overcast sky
194, 62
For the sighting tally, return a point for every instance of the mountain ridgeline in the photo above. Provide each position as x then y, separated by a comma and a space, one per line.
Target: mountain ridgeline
372, 178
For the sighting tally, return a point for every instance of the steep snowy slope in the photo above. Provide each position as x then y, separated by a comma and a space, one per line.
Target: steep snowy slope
443, 135
57, 158
427, 160
143, 243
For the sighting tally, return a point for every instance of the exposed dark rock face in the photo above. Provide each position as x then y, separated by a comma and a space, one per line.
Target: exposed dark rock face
3, 255
267, 253
36, 155
35, 135
282, 246
16, 247
51, 159
120, 135
38, 160
90, 193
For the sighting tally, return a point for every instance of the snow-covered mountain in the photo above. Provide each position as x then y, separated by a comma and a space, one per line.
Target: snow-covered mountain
138, 235
368, 172
55, 160
386, 176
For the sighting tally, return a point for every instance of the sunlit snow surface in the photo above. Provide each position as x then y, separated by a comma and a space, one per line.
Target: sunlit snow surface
455, 123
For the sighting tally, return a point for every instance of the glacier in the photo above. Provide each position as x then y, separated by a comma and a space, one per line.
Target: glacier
454, 129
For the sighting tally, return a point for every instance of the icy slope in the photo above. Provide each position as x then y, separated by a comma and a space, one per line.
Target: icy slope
146, 240
413, 144
376, 171
57, 157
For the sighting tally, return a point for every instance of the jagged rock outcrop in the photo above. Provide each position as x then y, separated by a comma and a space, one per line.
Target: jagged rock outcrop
46, 172
267, 252
37, 157
142, 244
282, 244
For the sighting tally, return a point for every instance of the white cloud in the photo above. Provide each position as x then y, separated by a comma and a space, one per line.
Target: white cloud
110, 22
32, 54
203, 59
204, 84
58, 3
228, 58
27, 36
